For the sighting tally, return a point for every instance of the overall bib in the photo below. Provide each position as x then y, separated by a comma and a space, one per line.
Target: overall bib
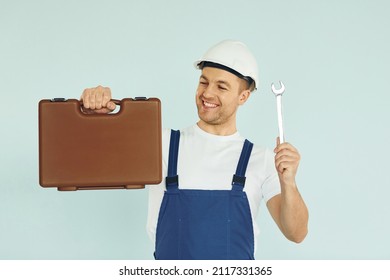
204, 224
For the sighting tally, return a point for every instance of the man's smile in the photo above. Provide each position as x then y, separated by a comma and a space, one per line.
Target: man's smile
209, 105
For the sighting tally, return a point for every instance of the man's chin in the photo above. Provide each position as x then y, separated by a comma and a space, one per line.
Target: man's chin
208, 120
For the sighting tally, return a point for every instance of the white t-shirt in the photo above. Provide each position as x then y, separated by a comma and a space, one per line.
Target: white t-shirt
207, 161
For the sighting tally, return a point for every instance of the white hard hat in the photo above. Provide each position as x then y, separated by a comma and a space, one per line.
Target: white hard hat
234, 55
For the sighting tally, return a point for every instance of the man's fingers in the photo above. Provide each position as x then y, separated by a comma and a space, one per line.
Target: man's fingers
285, 165
106, 97
85, 98
285, 145
111, 106
286, 157
98, 99
287, 154
91, 98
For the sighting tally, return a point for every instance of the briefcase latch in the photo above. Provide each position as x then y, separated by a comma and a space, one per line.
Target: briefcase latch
58, 99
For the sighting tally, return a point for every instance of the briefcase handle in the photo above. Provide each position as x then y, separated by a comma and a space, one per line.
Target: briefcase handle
118, 102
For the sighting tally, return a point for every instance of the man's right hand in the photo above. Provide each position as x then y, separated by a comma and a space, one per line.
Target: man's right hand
97, 100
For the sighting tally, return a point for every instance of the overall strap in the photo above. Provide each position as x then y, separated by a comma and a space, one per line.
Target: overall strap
238, 181
172, 180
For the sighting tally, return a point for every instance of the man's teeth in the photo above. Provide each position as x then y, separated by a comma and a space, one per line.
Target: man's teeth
209, 105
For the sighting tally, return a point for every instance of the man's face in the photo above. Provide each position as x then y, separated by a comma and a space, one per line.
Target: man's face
218, 96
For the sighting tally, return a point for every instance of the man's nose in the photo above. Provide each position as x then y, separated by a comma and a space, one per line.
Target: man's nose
208, 91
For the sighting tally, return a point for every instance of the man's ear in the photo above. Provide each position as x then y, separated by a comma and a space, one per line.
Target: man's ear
244, 95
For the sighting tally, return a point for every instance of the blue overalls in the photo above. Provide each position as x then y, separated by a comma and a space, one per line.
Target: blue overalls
204, 224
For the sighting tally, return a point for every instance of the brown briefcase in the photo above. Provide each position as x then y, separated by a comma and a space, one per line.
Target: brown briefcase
80, 151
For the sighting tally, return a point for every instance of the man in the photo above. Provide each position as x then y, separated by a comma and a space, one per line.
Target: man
215, 179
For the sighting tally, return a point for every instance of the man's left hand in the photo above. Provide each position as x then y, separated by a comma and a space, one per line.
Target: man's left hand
286, 162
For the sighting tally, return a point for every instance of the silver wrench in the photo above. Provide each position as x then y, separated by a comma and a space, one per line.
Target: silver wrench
278, 94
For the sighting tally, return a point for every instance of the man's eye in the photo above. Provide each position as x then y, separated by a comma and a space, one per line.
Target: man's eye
222, 88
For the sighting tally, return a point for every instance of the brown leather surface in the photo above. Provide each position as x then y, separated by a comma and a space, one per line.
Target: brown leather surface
99, 151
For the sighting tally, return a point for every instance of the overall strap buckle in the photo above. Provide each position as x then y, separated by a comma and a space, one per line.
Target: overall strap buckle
172, 180
238, 182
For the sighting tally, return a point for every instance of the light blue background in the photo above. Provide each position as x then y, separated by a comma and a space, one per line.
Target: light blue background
333, 57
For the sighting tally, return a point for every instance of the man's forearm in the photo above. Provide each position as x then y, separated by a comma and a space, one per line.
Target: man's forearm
293, 214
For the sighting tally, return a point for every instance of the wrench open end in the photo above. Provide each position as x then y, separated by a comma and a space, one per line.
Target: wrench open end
278, 94
278, 91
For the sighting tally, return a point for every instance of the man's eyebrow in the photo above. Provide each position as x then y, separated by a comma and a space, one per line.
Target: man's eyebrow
226, 83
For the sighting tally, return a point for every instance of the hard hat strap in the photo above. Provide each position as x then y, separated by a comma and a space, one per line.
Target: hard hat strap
223, 67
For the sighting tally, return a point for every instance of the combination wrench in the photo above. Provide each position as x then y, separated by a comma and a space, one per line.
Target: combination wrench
278, 94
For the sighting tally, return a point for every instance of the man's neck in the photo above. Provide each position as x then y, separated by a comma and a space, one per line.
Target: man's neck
221, 130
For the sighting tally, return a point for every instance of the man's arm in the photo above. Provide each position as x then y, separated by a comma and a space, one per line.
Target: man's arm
288, 208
